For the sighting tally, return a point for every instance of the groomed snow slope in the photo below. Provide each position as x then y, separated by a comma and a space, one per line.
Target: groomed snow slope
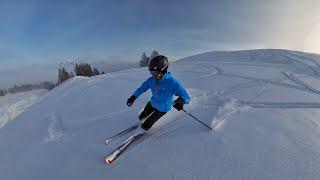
263, 106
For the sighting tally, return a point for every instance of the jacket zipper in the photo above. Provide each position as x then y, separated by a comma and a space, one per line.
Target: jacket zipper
157, 89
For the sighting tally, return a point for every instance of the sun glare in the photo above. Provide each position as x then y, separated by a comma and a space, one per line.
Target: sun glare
312, 40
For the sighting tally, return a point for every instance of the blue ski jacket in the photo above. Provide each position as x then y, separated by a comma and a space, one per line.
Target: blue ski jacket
163, 91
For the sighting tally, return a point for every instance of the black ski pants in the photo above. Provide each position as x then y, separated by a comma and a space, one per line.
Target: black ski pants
149, 116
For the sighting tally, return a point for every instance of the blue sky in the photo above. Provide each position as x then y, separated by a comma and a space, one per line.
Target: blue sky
44, 32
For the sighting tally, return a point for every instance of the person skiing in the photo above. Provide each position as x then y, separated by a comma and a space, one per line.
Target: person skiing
163, 86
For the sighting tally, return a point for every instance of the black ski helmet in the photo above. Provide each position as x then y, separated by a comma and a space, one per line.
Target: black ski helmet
159, 63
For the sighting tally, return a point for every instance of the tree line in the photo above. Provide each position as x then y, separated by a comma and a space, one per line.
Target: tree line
144, 60
81, 69
28, 87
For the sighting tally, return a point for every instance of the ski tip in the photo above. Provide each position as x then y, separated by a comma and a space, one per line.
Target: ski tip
108, 161
108, 142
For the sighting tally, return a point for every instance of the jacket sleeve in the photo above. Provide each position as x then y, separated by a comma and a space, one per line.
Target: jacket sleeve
181, 92
143, 88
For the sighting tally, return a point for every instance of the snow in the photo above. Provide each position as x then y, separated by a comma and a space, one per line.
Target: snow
262, 104
13, 105
226, 110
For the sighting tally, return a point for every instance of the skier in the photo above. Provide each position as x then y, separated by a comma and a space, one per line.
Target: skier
163, 86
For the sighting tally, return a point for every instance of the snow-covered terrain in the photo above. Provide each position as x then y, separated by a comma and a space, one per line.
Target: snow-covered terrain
263, 106
12, 105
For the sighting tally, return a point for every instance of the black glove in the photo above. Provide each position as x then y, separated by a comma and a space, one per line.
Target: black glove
131, 100
178, 103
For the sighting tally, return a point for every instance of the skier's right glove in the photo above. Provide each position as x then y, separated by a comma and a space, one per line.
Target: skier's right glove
131, 100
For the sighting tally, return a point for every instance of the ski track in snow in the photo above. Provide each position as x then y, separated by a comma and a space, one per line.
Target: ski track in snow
202, 72
55, 129
300, 82
287, 105
314, 66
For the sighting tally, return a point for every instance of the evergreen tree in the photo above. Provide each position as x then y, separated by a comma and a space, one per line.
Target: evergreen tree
95, 72
77, 70
83, 69
144, 60
153, 54
71, 74
63, 75
88, 70
1, 92
59, 76
46, 85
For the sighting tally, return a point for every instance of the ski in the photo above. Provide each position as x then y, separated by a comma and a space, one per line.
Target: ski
120, 149
122, 133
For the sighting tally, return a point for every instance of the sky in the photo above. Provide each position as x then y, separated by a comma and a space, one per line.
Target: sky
49, 32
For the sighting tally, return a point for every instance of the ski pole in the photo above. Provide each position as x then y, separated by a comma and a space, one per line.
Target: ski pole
197, 119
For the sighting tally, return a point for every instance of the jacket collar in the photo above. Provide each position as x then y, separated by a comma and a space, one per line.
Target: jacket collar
167, 75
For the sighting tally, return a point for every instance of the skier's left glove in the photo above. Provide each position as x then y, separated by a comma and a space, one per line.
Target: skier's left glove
178, 103
131, 100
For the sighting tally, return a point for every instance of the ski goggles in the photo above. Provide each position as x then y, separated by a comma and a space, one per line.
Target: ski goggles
154, 72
